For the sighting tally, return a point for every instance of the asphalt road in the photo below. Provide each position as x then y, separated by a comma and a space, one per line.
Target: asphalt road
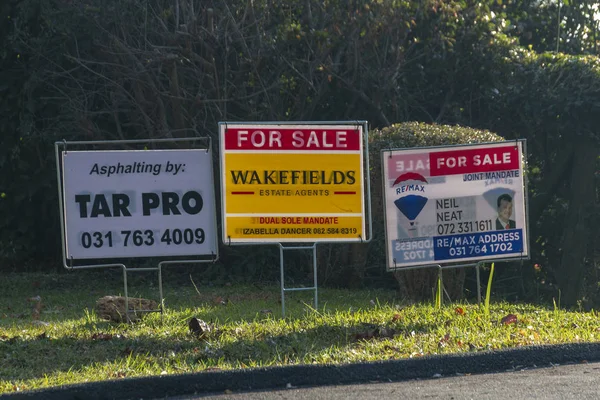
472, 365
574, 381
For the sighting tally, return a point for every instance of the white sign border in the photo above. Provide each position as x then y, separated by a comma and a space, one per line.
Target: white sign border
69, 263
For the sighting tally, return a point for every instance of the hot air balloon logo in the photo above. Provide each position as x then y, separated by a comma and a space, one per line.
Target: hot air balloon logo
410, 186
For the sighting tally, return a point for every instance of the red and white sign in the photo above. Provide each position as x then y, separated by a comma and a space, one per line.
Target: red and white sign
455, 204
456, 162
299, 138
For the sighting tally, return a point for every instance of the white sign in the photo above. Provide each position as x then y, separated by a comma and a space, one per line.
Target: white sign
454, 204
139, 203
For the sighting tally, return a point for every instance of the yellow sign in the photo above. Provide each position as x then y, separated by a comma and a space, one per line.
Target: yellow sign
292, 183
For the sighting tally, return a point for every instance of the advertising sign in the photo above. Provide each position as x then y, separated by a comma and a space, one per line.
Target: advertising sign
120, 204
454, 204
292, 183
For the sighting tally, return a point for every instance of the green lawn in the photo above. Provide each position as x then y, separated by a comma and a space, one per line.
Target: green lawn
67, 343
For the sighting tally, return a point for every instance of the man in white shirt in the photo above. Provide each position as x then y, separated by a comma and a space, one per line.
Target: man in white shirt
505, 208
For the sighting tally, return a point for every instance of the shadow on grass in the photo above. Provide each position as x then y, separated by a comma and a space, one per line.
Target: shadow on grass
117, 354
67, 337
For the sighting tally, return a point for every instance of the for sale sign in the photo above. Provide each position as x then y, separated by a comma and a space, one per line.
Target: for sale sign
292, 183
120, 204
454, 204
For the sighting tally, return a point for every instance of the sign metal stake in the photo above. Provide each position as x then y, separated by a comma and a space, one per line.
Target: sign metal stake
313, 250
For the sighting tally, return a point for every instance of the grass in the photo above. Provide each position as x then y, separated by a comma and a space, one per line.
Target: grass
69, 344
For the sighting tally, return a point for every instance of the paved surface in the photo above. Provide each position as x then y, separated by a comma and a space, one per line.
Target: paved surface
162, 387
575, 381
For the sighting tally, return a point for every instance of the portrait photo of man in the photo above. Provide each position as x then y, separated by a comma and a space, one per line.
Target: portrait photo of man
505, 209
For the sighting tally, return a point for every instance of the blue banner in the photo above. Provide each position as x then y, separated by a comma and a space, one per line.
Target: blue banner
477, 245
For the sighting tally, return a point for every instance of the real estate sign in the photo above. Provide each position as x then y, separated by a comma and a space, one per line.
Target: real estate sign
454, 204
292, 183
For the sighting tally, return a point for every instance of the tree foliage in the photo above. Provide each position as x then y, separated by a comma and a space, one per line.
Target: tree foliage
84, 70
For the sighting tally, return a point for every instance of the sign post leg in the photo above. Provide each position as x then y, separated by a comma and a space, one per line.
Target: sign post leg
126, 294
314, 251
313, 248
282, 279
160, 291
440, 288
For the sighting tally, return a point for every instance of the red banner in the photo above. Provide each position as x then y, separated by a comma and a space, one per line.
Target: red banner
292, 139
474, 160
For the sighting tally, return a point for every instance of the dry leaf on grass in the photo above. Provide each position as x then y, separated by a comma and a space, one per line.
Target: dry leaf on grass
220, 301
198, 327
102, 336
37, 307
509, 319
377, 332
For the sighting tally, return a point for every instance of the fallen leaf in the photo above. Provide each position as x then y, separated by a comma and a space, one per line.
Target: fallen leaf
374, 332
459, 311
385, 332
221, 301
102, 336
37, 307
396, 317
443, 341
198, 327
365, 335
509, 319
